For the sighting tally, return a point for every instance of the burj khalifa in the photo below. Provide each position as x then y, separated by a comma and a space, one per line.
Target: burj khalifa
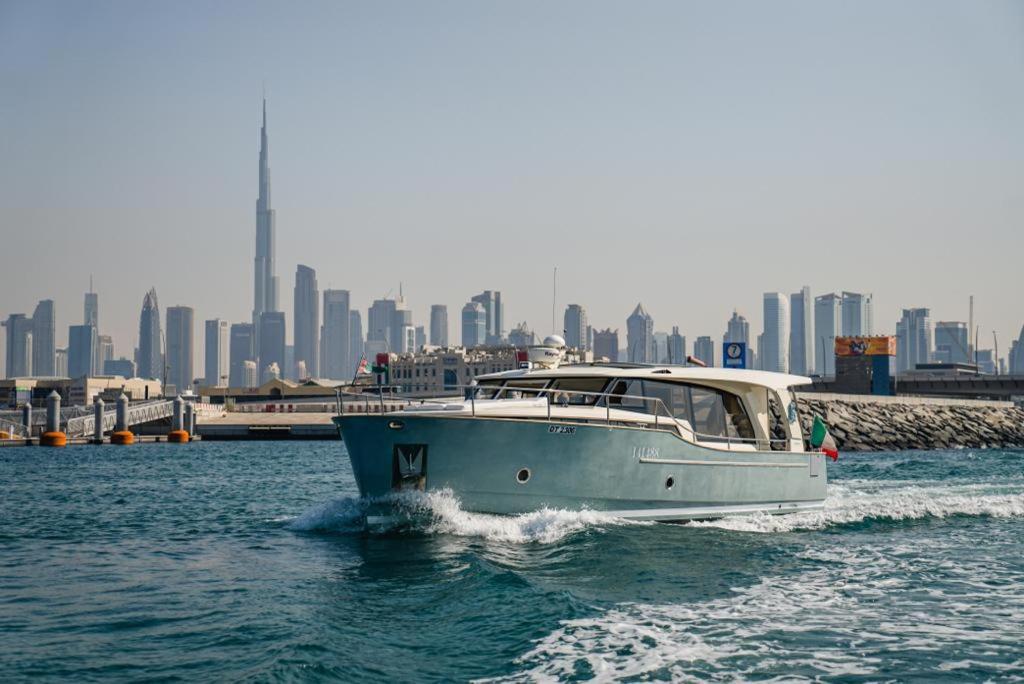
265, 292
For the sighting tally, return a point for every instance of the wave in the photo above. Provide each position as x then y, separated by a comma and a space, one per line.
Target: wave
440, 512
848, 505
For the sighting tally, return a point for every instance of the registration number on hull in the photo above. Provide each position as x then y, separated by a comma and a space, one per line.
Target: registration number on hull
561, 429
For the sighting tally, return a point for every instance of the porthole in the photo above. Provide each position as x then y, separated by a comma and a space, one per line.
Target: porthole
669, 483
523, 476
396, 424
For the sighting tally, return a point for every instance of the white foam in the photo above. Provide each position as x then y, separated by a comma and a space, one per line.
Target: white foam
440, 512
846, 505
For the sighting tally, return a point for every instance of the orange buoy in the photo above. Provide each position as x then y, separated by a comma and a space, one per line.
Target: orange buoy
4, 434
122, 437
53, 439
177, 436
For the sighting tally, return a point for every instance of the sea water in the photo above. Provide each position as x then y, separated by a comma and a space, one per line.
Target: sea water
215, 561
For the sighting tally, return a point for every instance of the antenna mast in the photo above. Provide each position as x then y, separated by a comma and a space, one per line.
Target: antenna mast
554, 297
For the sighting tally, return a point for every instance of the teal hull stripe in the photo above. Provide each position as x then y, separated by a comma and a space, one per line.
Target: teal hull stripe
743, 464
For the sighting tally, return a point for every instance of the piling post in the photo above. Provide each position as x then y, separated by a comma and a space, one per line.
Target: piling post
26, 416
190, 420
52, 436
121, 434
178, 434
97, 412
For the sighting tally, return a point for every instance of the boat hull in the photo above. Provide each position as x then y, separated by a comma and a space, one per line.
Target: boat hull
510, 466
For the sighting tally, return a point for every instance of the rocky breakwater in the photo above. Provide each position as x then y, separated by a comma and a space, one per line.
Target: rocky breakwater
866, 423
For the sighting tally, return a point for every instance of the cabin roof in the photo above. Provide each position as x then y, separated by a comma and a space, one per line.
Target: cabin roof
775, 381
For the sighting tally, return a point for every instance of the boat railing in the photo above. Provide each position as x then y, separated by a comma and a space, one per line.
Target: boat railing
664, 419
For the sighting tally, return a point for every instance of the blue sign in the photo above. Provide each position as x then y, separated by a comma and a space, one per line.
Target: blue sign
734, 355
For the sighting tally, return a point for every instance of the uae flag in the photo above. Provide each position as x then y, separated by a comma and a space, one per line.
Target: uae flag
822, 440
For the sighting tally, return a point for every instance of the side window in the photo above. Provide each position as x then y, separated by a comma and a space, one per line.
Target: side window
708, 412
622, 395
738, 423
675, 397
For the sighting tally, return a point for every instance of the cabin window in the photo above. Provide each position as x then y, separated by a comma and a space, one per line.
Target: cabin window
487, 389
563, 388
625, 393
522, 389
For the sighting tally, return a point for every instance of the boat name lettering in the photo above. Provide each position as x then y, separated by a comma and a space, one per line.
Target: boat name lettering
561, 429
645, 452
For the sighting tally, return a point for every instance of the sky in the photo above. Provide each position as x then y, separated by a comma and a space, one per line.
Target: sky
687, 155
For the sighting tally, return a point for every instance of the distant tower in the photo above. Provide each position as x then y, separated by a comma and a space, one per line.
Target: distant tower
216, 353
19, 346
44, 348
439, 325
676, 346
242, 351
738, 330
801, 332
640, 336
265, 294
336, 336
180, 336
575, 325
474, 325
356, 347
827, 326
774, 349
151, 358
306, 319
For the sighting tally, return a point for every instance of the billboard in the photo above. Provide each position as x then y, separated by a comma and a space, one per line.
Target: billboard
734, 355
882, 345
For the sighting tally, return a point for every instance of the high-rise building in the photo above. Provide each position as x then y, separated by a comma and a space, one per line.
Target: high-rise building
575, 324
242, 349
19, 346
952, 342
82, 341
307, 320
215, 366
914, 339
520, 336
801, 332
775, 343
491, 302
474, 325
737, 329
704, 349
106, 347
265, 290
858, 318
676, 346
271, 340
356, 341
421, 337
986, 361
640, 336
439, 325
44, 333
606, 344
150, 359
827, 326
1015, 359
661, 347
180, 352
60, 363
271, 371
250, 376
91, 308
335, 336
379, 319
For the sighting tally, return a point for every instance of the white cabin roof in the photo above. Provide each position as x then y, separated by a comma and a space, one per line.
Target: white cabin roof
709, 376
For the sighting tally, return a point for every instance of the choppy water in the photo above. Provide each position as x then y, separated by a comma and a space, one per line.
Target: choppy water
244, 561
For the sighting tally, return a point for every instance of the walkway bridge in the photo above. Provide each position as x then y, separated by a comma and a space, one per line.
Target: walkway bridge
78, 422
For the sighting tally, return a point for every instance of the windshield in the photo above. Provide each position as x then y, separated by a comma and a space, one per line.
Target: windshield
567, 391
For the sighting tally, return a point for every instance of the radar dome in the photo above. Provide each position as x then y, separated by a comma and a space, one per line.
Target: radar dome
554, 341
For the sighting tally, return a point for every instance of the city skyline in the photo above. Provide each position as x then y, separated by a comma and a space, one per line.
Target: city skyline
835, 205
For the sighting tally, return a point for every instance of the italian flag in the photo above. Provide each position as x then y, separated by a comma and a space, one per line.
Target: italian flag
363, 370
822, 440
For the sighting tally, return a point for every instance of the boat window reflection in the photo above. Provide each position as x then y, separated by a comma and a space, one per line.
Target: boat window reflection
564, 391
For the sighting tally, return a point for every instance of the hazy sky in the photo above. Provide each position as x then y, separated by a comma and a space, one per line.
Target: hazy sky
687, 155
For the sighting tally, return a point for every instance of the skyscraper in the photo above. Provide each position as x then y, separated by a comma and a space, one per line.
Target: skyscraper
271, 339
474, 325
1015, 360
640, 336
914, 339
265, 290
704, 349
439, 325
827, 326
215, 367
106, 351
676, 346
82, 341
606, 344
19, 346
491, 301
44, 332
242, 349
180, 336
380, 318
951, 342
335, 338
575, 325
356, 348
801, 332
307, 320
150, 359
858, 318
737, 329
775, 343
91, 308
